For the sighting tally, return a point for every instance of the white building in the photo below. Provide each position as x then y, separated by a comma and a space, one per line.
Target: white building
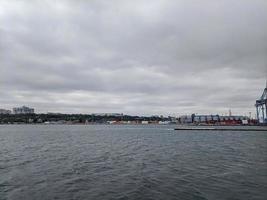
23, 110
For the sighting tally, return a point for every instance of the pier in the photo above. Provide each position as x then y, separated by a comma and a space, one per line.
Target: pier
260, 128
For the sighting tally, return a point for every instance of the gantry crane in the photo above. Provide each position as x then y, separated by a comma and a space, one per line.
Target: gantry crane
261, 107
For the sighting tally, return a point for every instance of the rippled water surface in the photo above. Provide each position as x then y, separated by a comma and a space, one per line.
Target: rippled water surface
130, 162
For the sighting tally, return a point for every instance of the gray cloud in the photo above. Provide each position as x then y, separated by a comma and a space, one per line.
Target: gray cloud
136, 57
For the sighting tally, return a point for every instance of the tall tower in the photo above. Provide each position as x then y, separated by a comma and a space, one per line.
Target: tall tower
261, 107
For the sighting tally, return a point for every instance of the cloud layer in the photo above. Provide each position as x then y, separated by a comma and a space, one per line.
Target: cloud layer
135, 57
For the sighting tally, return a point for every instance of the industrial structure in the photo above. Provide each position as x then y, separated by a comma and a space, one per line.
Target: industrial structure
215, 120
261, 107
23, 110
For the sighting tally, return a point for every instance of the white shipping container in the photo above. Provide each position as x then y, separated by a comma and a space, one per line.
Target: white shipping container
144, 122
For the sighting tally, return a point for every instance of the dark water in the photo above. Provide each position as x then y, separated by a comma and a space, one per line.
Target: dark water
130, 162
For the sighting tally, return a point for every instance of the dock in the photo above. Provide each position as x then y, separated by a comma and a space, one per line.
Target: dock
221, 129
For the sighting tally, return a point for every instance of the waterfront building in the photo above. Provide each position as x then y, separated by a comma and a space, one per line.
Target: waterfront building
23, 110
205, 118
5, 112
185, 119
213, 119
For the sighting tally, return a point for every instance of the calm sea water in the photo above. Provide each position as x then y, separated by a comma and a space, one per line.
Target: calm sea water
130, 162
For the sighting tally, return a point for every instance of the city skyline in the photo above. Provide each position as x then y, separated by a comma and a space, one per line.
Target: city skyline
164, 58
29, 110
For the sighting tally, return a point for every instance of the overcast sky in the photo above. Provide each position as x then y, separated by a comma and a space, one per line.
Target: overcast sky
133, 57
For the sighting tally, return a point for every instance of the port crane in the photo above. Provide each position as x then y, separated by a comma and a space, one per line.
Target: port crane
261, 107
